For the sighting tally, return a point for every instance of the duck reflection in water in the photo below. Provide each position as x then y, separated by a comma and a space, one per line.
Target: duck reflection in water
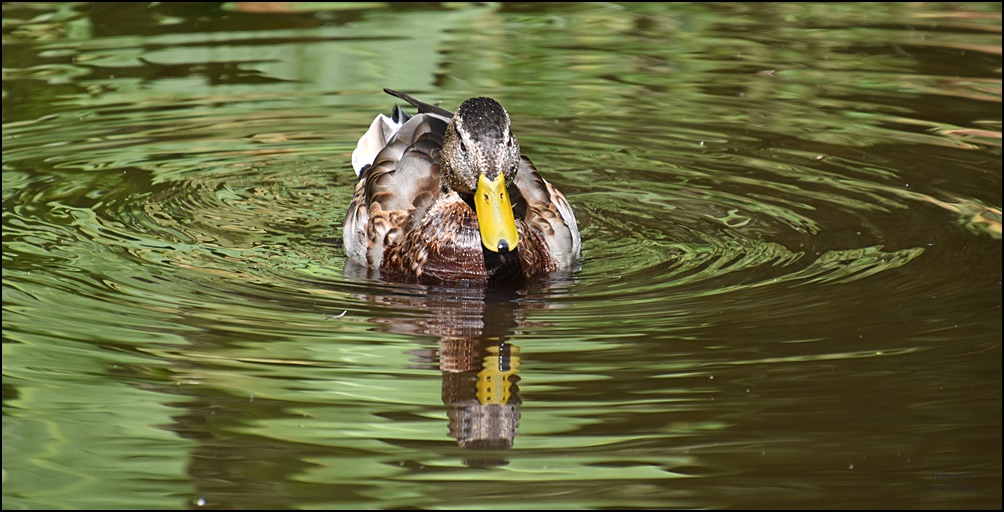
480, 387
475, 324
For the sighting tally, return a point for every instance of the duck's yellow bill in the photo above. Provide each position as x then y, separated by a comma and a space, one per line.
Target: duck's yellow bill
495, 218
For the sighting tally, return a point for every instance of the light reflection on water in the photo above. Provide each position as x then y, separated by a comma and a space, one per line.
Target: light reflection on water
790, 293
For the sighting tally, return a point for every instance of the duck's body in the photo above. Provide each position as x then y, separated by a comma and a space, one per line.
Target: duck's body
449, 197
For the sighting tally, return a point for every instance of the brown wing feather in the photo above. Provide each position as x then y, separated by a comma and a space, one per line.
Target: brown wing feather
397, 188
548, 215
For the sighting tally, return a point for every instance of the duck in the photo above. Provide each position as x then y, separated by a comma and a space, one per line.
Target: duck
446, 196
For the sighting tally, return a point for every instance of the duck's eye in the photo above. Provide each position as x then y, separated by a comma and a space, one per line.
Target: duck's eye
509, 141
463, 147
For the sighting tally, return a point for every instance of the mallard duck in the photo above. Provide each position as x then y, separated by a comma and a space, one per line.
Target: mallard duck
447, 197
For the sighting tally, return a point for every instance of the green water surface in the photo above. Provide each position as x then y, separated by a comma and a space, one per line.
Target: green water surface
790, 294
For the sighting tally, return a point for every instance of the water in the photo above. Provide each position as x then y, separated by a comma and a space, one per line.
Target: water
790, 293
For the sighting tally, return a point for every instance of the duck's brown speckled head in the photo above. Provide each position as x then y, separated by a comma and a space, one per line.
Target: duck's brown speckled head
479, 141
480, 157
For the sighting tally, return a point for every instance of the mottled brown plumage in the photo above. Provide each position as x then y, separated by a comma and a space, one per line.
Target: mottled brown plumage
424, 181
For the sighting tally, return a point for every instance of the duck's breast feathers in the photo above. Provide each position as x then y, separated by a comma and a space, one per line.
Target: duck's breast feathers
444, 245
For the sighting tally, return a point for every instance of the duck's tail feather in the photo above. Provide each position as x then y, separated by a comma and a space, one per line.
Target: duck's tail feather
399, 116
423, 107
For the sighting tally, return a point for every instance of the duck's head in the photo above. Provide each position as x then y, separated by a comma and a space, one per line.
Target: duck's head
480, 157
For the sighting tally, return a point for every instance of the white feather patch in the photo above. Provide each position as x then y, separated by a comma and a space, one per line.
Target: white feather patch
376, 137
